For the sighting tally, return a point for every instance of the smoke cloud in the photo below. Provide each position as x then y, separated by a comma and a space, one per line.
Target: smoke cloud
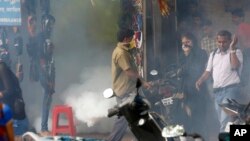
83, 63
83, 47
86, 97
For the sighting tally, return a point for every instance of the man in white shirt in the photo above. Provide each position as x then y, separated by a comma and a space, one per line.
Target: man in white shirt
225, 65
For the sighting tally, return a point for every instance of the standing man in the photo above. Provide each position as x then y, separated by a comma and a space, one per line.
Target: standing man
242, 29
47, 77
124, 77
225, 65
243, 33
208, 42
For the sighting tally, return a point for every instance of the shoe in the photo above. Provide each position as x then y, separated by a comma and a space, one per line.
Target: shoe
45, 133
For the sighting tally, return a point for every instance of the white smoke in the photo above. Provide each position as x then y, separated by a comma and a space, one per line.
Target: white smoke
86, 98
89, 107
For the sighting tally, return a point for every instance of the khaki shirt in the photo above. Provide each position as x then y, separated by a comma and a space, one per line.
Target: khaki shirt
122, 60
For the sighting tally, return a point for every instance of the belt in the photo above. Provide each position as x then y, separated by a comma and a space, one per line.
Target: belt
224, 88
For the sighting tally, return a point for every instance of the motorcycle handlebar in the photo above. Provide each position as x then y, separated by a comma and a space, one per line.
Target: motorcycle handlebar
113, 111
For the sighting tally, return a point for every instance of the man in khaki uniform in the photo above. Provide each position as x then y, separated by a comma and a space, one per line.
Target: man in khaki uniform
124, 77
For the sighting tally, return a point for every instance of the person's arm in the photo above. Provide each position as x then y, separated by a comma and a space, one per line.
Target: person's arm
203, 78
6, 80
207, 72
134, 75
234, 60
131, 73
124, 62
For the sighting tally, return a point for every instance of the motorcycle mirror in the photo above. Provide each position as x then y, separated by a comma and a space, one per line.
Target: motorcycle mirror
172, 131
229, 109
154, 72
108, 93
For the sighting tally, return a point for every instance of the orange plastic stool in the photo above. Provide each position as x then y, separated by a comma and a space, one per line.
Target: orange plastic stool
65, 129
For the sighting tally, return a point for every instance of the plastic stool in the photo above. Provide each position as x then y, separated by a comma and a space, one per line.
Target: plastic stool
66, 129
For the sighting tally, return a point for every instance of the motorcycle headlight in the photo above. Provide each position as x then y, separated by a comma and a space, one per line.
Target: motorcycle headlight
108, 93
141, 122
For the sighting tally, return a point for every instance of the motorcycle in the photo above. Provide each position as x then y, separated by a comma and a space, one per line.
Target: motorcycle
146, 125
166, 93
241, 111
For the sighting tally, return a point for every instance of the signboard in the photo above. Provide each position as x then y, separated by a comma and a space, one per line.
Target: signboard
10, 12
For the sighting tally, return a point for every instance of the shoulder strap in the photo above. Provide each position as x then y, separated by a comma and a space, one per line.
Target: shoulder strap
214, 54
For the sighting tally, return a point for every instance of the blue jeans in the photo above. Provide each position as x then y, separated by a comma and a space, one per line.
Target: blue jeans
20, 126
47, 99
221, 97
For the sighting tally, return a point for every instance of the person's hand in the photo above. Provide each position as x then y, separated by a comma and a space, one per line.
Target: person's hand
146, 85
19, 76
233, 43
1, 94
188, 110
198, 84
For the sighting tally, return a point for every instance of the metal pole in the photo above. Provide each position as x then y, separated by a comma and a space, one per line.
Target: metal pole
176, 28
144, 33
157, 32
